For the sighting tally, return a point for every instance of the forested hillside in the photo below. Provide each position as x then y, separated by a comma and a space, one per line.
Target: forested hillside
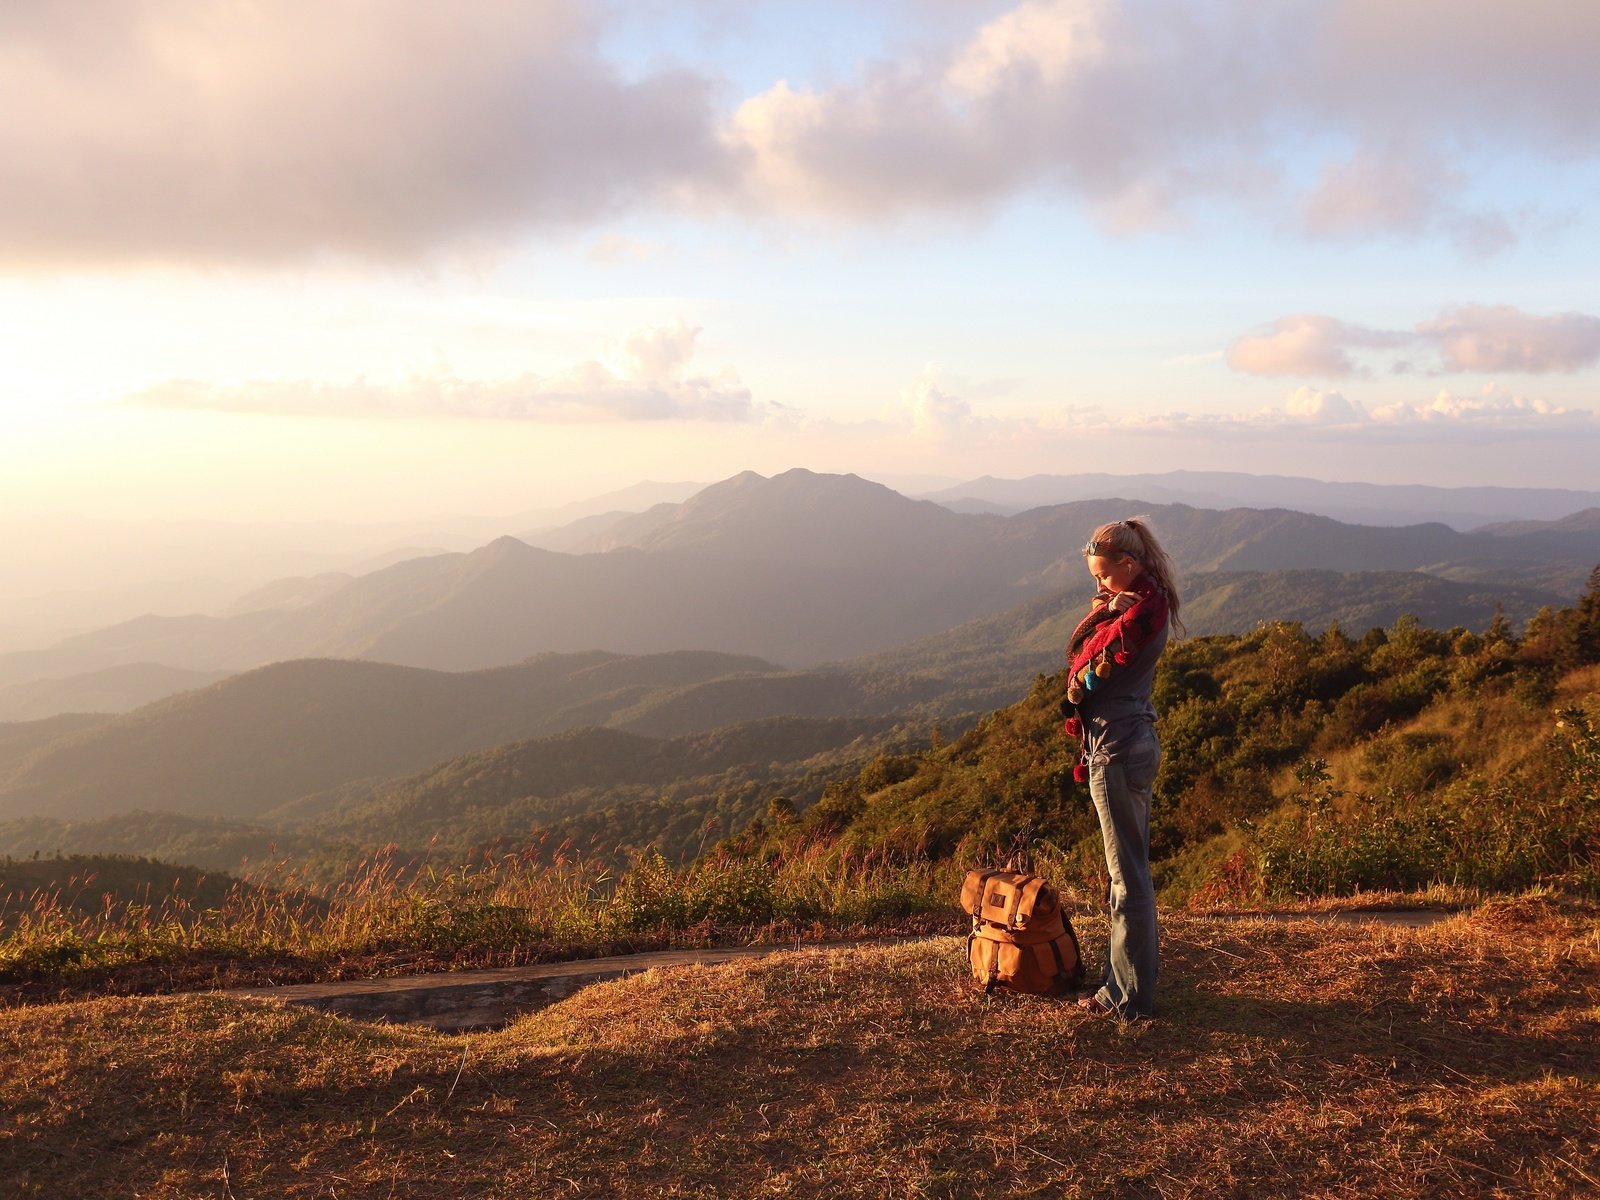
1298, 761
272, 735
1295, 762
602, 792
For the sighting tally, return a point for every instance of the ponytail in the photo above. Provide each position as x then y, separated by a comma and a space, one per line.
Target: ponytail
1136, 539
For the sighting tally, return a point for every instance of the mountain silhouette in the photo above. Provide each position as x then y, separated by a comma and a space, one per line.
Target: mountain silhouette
800, 569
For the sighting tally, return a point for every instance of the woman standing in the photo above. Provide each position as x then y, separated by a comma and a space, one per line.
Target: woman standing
1112, 659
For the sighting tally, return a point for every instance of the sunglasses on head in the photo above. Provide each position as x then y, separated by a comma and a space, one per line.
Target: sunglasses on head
1096, 549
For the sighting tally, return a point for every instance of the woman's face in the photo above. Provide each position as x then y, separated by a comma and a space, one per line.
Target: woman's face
1113, 573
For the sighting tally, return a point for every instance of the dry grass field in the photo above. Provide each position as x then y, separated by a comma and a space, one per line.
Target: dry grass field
1290, 1059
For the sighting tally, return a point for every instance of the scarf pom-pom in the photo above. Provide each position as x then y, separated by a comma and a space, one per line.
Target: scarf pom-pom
1073, 727
1080, 773
1121, 658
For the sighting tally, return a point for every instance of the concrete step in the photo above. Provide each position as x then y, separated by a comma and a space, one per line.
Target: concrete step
464, 1001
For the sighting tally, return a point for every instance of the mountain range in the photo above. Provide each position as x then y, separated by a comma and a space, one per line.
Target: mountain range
253, 741
800, 569
256, 741
819, 597
1461, 508
67, 575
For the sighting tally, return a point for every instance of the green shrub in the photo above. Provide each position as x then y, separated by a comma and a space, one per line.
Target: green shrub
654, 894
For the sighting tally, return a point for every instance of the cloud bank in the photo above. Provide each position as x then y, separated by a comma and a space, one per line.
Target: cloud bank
932, 418
165, 130
1142, 107
1490, 416
1500, 338
1306, 344
1472, 338
648, 380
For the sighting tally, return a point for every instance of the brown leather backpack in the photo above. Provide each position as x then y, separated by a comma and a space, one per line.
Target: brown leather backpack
1021, 940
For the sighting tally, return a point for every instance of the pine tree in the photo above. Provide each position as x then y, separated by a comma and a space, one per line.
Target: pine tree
1586, 622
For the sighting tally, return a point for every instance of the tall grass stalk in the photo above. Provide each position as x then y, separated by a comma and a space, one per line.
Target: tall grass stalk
503, 908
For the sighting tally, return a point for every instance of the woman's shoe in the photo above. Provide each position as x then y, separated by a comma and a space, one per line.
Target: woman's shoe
1096, 1007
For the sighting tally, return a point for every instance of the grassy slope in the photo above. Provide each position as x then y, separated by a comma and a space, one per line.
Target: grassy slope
1486, 737
1293, 1059
87, 882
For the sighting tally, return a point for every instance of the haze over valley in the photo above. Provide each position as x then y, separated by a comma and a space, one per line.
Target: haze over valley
829, 602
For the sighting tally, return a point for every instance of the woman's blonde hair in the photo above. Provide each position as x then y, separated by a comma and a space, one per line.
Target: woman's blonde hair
1135, 539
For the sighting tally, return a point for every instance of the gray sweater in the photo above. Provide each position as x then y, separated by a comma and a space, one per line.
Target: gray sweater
1119, 707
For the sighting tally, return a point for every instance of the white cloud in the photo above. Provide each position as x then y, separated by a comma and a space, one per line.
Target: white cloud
1082, 95
649, 381
138, 130
1047, 41
1310, 412
1305, 344
930, 415
1466, 68
1446, 416
1492, 409
1398, 189
1143, 107
1501, 338
1322, 408
1475, 338
163, 129
932, 412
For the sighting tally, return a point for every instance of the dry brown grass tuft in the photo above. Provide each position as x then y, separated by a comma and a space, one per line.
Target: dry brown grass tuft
1291, 1059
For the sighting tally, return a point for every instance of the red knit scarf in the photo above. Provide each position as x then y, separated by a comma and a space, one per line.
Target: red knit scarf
1105, 640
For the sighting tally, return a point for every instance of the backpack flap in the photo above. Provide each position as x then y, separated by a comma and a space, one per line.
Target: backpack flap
972, 889
1014, 899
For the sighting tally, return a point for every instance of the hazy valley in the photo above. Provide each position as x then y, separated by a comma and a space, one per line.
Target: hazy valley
800, 570
752, 613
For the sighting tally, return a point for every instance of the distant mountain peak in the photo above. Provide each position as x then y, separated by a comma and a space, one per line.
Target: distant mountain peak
789, 511
796, 486
505, 549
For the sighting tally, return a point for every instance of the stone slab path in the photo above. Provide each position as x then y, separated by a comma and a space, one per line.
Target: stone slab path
461, 1001
466, 1001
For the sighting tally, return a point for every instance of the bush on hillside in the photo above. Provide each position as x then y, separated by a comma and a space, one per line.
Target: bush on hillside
1438, 736
1543, 828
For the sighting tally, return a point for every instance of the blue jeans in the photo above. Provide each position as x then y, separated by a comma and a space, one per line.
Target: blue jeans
1120, 783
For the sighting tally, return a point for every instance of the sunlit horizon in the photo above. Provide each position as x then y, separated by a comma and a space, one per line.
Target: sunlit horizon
512, 256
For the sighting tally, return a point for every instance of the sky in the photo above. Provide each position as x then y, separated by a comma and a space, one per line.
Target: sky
376, 259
